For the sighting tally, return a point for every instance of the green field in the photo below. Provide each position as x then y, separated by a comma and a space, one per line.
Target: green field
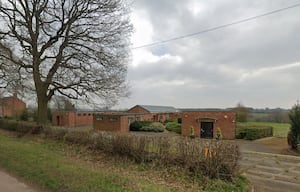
279, 129
56, 166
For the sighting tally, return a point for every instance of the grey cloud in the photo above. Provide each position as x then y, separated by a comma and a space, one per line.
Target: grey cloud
214, 63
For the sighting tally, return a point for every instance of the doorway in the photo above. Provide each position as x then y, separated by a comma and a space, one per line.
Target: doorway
207, 130
58, 120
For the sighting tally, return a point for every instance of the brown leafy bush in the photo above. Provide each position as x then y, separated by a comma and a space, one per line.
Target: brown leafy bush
78, 137
20, 126
57, 133
213, 159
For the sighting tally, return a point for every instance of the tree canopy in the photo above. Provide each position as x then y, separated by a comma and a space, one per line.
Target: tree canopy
72, 48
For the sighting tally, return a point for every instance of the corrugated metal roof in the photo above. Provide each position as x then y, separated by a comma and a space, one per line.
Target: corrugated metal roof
158, 109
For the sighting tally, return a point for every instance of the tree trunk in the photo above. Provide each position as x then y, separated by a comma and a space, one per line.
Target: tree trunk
42, 116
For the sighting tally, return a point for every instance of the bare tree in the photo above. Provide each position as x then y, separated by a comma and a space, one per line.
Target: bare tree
73, 48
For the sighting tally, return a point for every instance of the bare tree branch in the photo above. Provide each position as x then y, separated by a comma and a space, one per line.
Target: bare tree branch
74, 48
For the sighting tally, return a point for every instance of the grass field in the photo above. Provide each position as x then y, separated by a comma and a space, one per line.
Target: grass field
56, 166
279, 129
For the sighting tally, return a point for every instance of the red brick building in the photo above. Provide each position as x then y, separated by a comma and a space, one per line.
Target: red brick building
206, 123
115, 122
11, 106
72, 118
155, 113
121, 121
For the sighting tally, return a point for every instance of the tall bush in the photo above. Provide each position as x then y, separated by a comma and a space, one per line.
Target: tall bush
137, 125
254, 132
174, 127
294, 135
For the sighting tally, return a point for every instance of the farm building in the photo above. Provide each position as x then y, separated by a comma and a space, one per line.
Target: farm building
11, 106
72, 118
206, 123
115, 122
155, 113
76, 118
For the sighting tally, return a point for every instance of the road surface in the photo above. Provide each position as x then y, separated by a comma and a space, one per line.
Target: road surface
11, 184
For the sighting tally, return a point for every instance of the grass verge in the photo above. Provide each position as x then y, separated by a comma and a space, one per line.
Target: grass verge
56, 166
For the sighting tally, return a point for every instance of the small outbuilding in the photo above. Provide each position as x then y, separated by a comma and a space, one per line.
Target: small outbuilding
72, 118
206, 123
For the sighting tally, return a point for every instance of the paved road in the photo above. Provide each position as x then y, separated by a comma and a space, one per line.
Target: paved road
11, 184
271, 172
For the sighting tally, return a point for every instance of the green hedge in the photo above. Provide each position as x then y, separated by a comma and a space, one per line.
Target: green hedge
152, 129
147, 126
174, 127
254, 132
137, 125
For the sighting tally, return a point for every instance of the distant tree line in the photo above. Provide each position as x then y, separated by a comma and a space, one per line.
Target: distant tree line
276, 115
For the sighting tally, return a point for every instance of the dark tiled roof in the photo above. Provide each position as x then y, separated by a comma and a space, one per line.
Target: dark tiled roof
202, 109
158, 109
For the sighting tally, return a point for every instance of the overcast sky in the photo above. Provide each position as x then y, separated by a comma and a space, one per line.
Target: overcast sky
256, 63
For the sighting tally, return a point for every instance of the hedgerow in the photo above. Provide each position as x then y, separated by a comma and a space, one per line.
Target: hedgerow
214, 159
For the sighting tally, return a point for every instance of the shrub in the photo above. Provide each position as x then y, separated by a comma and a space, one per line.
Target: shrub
254, 132
294, 134
20, 126
57, 133
174, 127
25, 115
178, 120
168, 120
137, 125
154, 127
157, 124
78, 137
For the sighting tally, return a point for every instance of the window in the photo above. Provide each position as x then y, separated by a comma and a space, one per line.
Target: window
113, 118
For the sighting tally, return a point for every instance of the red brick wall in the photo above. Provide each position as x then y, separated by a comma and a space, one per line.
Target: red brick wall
12, 106
72, 119
104, 123
147, 117
226, 121
114, 123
